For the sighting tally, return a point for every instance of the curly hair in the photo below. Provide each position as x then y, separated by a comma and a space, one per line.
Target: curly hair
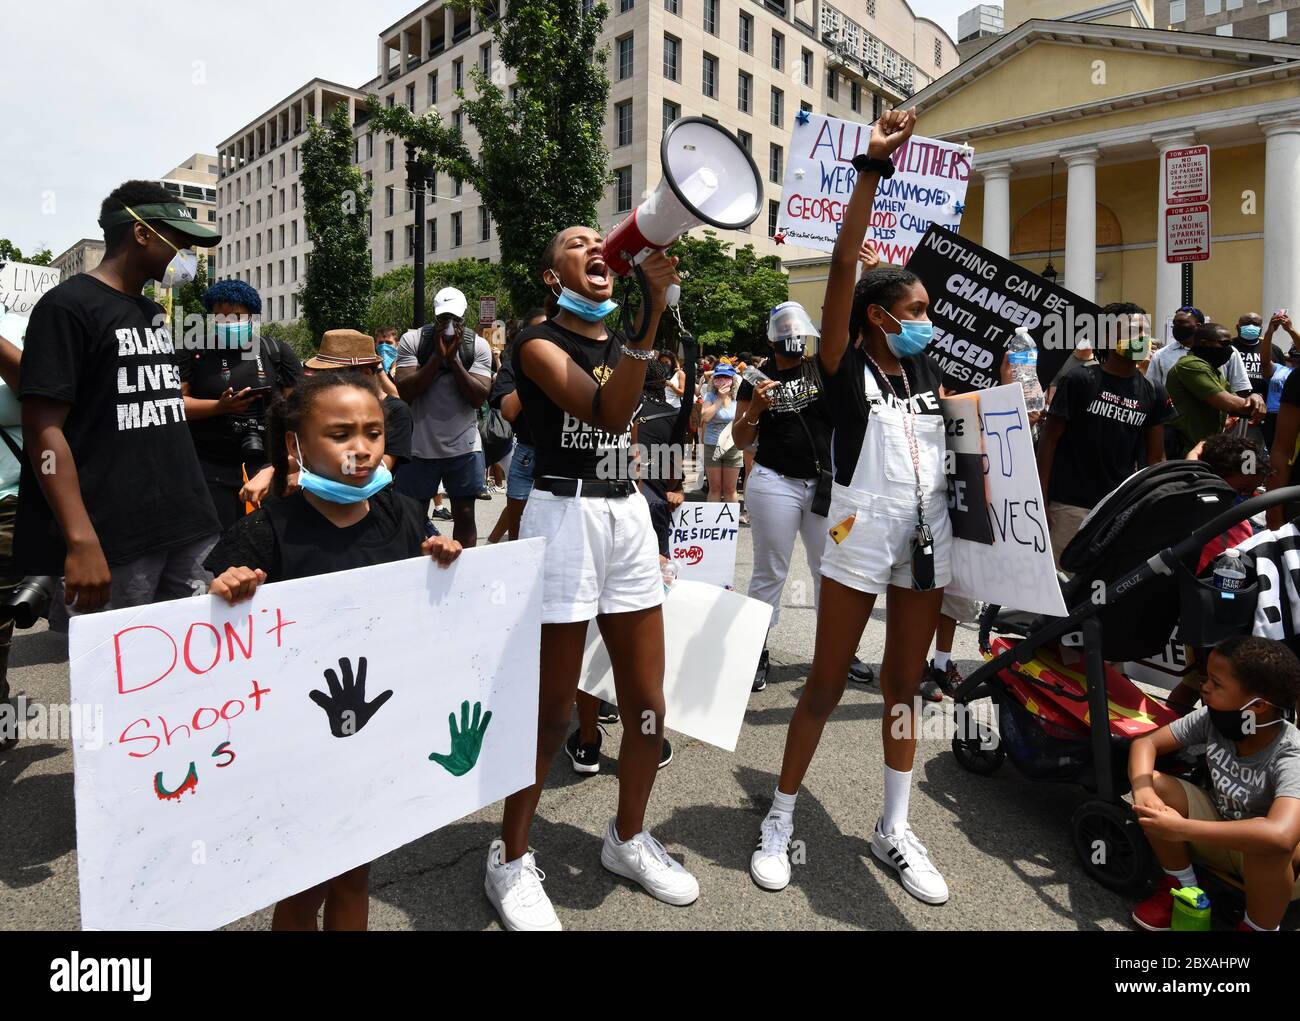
233, 292
883, 286
1264, 667
1227, 455
287, 415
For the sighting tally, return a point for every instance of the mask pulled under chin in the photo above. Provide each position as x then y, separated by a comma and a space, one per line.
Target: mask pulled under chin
585, 308
341, 492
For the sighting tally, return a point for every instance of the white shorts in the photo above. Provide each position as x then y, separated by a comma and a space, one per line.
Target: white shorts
870, 546
601, 555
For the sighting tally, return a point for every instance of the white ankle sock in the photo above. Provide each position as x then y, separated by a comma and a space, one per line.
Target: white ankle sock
1185, 877
1258, 928
898, 790
784, 803
941, 660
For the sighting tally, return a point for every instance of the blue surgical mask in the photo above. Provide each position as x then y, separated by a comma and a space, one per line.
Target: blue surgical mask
585, 308
1250, 332
233, 336
389, 354
914, 337
341, 492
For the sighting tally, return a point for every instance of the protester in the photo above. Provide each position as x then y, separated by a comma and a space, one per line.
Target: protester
1248, 822
1282, 366
889, 525
789, 421
228, 388
1286, 442
580, 385
941, 676
1104, 421
1199, 390
346, 515
1257, 355
118, 506
505, 398
11, 459
723, 458
386, 341
675, 384
444, 372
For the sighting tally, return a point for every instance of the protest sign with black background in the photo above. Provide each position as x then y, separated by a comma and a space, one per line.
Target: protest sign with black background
978, 298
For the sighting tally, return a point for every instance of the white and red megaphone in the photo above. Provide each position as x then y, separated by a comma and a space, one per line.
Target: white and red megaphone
708, 179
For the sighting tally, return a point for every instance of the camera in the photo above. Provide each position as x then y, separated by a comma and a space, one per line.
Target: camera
250, 430
29, 601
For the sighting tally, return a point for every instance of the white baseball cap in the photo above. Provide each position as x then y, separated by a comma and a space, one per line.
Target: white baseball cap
449, 301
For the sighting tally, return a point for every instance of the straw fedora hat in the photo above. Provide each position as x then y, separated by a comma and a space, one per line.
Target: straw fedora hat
340, 349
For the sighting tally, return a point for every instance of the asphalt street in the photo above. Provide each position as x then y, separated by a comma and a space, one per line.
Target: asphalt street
1002, 842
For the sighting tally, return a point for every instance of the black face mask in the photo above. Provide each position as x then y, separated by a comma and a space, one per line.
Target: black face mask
1183, 332
1216, 356
1231, 723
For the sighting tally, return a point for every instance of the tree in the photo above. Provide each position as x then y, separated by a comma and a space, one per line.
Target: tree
9, 252
189, 297
391, 301
542, 161
726, 299
337, 196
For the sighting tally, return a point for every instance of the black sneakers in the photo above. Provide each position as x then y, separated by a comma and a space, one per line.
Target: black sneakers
861, 672
760, 675
585, 757
936, 683
607, 713
665, 756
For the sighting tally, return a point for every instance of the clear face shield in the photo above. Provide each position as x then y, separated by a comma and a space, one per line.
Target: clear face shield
788, 328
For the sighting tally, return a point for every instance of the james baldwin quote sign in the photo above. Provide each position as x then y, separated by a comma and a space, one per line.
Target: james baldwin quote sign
928, 186
978, 298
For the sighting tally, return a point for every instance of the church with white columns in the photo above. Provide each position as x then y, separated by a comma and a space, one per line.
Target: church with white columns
1069, 122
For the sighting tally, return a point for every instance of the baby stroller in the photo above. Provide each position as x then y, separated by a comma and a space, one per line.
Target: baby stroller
1064, 714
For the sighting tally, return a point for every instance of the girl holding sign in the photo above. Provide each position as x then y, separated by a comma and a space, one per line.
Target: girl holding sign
345, 515
888, 525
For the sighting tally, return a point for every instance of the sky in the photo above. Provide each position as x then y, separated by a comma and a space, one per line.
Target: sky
102, 93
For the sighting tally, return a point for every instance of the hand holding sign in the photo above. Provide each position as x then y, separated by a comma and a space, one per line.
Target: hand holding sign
346, 704
465, 742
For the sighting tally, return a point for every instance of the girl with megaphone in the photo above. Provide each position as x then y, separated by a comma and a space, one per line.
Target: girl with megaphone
888, 524
580, 384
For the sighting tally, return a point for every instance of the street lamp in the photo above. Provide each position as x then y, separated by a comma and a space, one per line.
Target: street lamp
417, 179
1049, 271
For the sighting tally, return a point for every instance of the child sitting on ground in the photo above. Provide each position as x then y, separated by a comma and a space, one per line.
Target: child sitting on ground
1248, 823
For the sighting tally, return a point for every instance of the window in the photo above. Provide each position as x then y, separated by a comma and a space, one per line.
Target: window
672, 55
431, 234
388, 155
388, 201
746, 40
433, 88
485, 59
370, 146
625, 58
410, 241
388, 246
623, 120
877, 106
484, 224
832, 84
259, 210
671, 112
805, 105
672, 6
1277, 25
455, 230
711, 16
709, 81
282, 237
458, 74
1223, 30
410, 198
280, 273
774, 160
388, 101
293, 268
623, 189
806, 66
778, 108
746, 141
280, 301
293, 231
625, 5
410, 98
1212, 7
855, 96
773, 212
1177, 11
778, 50
744, 92
456, 121
455, 187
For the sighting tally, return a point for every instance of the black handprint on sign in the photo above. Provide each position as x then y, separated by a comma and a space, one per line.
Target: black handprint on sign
346, 704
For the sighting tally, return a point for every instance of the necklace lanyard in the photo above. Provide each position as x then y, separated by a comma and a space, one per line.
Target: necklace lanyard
909, 430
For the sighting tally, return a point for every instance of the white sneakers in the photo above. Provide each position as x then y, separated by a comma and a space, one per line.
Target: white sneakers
907, 856
643, 860
770, 862
515, 890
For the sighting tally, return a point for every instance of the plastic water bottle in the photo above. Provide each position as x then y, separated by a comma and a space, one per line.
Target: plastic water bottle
1229, 571
1191, 910
668, 571
1022, 353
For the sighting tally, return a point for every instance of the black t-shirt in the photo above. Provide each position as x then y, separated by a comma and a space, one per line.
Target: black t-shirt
783, 444
568, 447
502, 387
656, 423
109, 355
1106, 417
848, 401
398, 423
1251, 354
208, 373
290, 538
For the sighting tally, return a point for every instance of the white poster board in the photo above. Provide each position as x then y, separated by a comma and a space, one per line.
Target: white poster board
928, 186
712, 641
1167, 669
216, 784
1017, 570
702, 542
23, 285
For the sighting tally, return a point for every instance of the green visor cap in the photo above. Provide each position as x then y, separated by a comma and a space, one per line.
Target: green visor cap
173, 214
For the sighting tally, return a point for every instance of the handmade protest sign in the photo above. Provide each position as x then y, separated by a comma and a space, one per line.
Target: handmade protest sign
252, 751
23, 285
702, 542
1016, 570
712, 641
978, 298
928, 186
1168, 668
964, 466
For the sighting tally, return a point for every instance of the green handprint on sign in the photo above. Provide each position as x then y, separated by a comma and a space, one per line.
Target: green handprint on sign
465, 742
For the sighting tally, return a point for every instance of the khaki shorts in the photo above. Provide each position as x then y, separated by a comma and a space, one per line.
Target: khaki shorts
716, 456
960, 609
1063, 521
1200, 806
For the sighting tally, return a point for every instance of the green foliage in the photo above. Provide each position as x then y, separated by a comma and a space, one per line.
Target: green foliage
190, 296
392, 302
9, 252
337, 196
297, 335
541, 164
726, 298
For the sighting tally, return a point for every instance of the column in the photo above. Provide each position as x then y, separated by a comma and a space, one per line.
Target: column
1169, 275
997, 208
1081, 222
1281, 215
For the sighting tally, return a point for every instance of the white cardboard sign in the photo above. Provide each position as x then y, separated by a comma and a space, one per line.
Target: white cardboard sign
23, 285
702, 542
235, 764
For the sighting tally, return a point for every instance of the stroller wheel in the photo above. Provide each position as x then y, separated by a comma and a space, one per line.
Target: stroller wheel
981, 753
1111, 846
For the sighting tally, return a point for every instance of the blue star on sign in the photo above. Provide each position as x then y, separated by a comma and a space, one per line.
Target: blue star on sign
959, 208
802, 117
